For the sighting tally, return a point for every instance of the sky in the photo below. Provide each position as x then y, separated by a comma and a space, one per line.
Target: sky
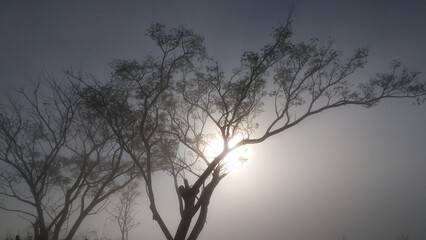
354, 172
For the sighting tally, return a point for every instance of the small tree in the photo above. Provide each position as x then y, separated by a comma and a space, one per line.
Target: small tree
123, 212
166, 111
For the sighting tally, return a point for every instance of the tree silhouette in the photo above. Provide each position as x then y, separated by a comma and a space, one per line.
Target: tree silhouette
57, 160
166, 110
124, 210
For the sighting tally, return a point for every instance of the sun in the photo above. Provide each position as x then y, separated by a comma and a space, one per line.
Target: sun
234, 160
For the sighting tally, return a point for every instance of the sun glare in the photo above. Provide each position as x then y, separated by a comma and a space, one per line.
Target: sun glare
234, 160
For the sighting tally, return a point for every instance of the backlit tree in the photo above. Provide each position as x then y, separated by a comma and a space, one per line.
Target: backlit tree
168, 111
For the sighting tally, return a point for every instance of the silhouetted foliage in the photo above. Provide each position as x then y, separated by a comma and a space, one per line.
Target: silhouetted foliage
64, 152
165, 110
60, 163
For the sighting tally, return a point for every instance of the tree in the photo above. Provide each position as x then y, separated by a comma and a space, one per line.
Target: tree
123, 211
57, 160
177, 104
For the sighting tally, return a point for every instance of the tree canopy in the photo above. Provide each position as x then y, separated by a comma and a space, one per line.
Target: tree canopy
66, 147
59, 162
166, 110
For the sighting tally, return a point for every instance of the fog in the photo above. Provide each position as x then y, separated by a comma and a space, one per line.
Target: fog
351, 172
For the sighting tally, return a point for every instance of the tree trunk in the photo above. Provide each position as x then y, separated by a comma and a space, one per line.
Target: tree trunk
190, 210
204, 202
40, 224
199, 225
77, 224
187, 215
36, 230
43, 235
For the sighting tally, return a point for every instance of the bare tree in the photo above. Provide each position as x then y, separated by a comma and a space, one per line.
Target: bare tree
133, 103
166, 110
57, 161
123, 212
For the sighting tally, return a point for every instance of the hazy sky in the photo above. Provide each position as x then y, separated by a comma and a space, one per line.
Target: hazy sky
353, 171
